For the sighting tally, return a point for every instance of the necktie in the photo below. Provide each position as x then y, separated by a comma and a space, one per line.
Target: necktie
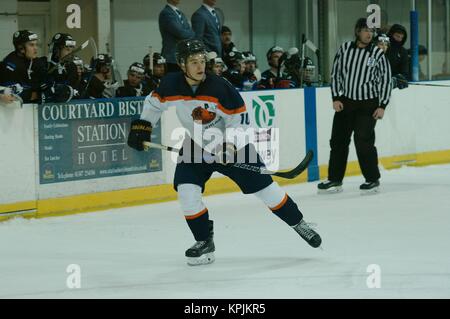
217, 19
179, 15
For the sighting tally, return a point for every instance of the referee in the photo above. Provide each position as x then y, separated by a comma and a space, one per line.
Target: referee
361, 88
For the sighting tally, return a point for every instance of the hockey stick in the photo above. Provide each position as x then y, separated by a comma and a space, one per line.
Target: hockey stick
310, 45
293, 173
71, 55
424, 84
92, 72
148, 145
150, 56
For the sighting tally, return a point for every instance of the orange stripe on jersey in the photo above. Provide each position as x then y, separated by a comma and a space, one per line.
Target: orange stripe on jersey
197, 215
242, 109
280, 204
176, 98
168, 99
207, 99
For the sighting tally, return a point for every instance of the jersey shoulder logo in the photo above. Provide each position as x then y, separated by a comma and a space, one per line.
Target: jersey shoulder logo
371, 62
203, 116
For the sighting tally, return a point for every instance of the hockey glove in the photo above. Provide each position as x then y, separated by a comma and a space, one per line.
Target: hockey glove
16, 89
141, 131
400, 82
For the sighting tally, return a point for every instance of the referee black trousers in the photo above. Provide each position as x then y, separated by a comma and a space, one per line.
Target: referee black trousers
356, 117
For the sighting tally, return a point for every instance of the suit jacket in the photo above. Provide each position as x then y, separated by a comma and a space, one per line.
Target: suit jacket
207, 30
173, 29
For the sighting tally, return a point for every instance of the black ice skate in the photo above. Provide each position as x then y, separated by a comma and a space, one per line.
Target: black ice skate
370, 188
308, 234
329, 187
202, 252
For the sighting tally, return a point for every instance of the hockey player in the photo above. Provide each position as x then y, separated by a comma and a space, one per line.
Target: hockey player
204, 102
250, 63
251, 74
62, 81
274, 77
63, 69
81, 72
102, 84
134, 86
236, 67
309, 72
82, 76
153, 77
23, 68
269, 76
215, 65
299, 72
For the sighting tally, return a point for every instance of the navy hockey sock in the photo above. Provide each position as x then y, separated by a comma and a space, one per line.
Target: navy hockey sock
288, 211
199, 225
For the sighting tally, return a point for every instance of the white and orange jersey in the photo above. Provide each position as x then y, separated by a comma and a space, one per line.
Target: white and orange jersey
215, 105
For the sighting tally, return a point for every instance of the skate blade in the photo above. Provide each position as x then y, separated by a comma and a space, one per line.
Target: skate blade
372, 191
202, 260
332, 190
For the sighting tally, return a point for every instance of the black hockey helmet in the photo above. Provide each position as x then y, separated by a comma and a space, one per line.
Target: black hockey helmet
23, 36
186, 48
291, 59
137, 67
272, 50
78, 61
61, 40
249, 56
157, 59
104, 59
217, 60
100, 61
213, 59
234, 57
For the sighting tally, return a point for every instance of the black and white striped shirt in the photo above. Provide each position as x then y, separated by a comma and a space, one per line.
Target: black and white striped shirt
361, 74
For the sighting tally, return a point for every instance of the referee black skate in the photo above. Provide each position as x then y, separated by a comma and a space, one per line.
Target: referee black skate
361, 88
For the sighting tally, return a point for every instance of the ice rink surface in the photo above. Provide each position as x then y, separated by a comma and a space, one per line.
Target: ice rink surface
138, 252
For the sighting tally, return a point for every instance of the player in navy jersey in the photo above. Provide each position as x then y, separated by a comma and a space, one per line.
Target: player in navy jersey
207, 102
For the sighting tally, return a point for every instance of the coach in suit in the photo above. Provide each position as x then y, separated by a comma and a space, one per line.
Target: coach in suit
174, 27
207, 25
